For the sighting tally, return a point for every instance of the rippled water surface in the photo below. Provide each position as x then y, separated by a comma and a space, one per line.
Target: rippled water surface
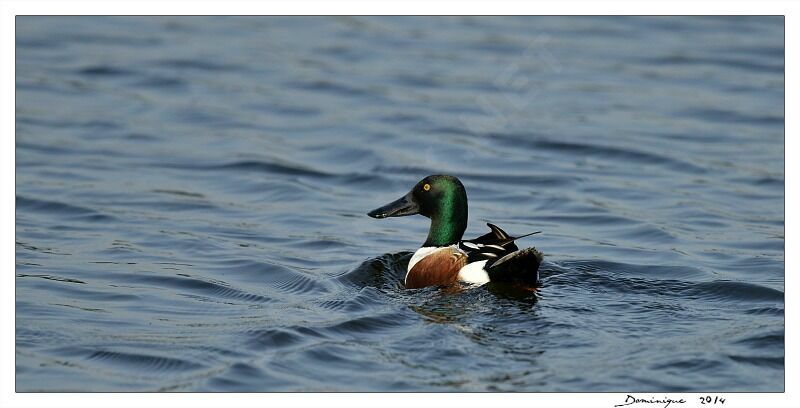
191, 197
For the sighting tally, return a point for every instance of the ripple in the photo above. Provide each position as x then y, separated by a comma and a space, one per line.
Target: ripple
57, 207
161, 83
94, 124
171, 206
26, 337
179, 193
366, 298
40, 249
53, 149
764, 342
726, 63
593, 219
736, 292
65, 39
647, 233
186, 283
629, 155
94, 293
337, 358
416, 80
104, 71
51, 277
110, 39
296, 284
691, 365
605, 275
771, 362
367, 324
332, 87
284, 109
772, 311
730, 116
203, 65
255, 166
384, 270
273, 339
246, 377
142, 362
342, 53
549, 180
637, 270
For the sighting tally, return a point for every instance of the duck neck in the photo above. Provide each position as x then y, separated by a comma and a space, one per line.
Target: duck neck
447, 226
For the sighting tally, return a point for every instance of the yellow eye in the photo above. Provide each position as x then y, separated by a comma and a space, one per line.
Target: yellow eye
426, 187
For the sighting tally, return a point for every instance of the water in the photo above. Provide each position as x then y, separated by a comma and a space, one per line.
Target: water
191, 197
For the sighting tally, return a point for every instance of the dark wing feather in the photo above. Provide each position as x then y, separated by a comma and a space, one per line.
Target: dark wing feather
519, 267
491, 246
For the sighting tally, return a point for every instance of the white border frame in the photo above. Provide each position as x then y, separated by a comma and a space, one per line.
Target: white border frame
10, 8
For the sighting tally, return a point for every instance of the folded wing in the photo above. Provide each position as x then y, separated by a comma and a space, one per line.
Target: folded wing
504, 261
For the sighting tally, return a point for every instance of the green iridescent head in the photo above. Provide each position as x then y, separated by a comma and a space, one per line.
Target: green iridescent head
441, 198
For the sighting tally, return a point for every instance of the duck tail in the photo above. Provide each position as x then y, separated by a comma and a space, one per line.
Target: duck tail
497, 231
517, 267
501, 237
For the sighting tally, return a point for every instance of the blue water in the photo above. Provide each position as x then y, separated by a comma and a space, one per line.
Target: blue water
191, 198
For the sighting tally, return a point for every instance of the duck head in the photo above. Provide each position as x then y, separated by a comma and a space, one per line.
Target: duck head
441, 198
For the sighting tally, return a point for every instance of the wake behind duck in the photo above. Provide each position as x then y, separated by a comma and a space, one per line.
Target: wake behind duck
445, 258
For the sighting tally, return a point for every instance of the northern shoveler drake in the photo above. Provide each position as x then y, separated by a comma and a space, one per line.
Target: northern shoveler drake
445, 258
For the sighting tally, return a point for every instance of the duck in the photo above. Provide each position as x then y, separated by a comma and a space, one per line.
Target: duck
445, 258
